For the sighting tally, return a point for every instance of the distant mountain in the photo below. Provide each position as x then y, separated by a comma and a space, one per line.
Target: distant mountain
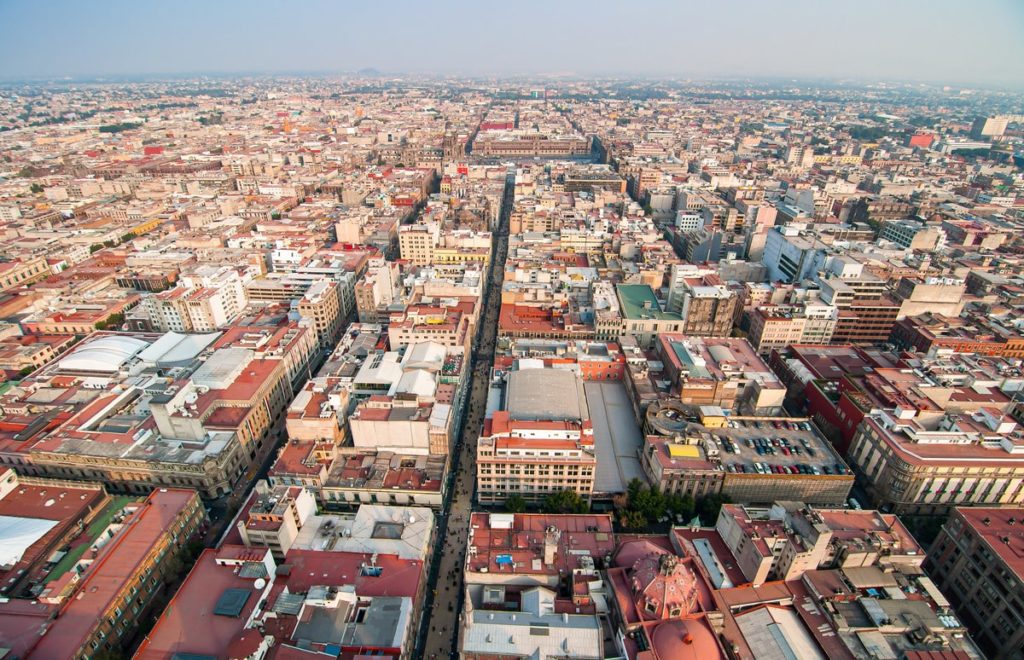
369, 73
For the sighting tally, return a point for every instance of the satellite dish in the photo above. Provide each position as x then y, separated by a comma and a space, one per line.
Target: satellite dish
259, 583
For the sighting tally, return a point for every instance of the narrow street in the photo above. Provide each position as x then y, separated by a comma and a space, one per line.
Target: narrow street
438, 634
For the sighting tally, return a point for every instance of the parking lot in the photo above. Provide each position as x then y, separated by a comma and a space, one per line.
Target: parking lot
793, 446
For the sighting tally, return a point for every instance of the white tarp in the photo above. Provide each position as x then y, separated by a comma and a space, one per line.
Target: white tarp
18, 534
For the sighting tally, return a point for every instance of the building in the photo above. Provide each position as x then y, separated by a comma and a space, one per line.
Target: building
447, 321
541, 442
976, 562
520, 144
910, 467
707, 307
749, 459
719, 371
20, 272
492, 633
136, 427
932, 295
115, 593
321, 304
516, 568
935, 333
642, 314
42, 516
26, 353
416, 243
988, 127
913, 235
274, 517
205, 301
788, 539
777, 326
791, 257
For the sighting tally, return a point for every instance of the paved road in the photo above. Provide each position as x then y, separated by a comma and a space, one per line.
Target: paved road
438, 635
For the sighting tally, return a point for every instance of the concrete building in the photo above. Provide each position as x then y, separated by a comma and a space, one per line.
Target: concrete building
988, 127
719, 371
913, 235
204, 302
135, 428
735, 458
976, 563
707, 307
791, 257
115, 593
788, 539
933, 295
642, 315
908, 467
542, 441
321, 304
778, 326
274, 517
22, 271
376, 290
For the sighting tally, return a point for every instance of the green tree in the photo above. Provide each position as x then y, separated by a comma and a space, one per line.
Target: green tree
710, 505
36, 188
632, 519
565, 501
634, 487
515, 504
650, 502
682, 506
95, 247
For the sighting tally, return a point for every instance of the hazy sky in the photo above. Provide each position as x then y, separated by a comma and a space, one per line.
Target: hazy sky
957, 41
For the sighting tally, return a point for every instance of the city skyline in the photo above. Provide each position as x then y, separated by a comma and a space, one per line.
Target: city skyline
873, 41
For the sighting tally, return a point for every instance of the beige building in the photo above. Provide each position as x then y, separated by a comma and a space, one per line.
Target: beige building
416, 243
275, 517
787, 539
22, 271
912, 466
321, 304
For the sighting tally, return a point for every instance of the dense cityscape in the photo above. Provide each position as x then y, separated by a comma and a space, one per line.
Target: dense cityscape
365, 366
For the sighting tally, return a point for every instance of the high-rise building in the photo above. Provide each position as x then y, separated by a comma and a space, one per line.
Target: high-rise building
977, 562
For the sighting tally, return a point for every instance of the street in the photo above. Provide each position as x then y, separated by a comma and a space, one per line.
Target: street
438, 635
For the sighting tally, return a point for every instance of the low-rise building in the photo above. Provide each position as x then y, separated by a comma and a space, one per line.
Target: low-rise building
116, 591
911, 466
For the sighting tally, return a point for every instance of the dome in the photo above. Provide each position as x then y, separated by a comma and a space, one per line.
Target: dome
684, 638
103, 355
629, 552
663, 587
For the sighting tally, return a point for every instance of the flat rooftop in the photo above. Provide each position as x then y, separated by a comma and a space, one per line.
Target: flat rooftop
546, 395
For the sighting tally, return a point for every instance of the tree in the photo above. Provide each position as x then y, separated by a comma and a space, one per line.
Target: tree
36, 188
710, 505
681, 506
632, 519
650, 502
95, 247
565, 501
633, 488
515, 504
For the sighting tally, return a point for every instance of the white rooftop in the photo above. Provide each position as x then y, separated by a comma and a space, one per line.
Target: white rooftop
106, 354
18, 534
